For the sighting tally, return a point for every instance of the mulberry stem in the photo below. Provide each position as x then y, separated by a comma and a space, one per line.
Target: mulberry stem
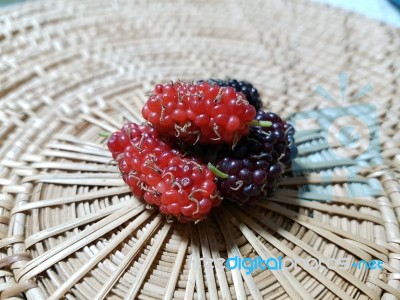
105, 134
260, 123
217, 172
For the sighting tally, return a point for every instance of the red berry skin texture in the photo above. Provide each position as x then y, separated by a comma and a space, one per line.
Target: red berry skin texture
181, 187
202, 113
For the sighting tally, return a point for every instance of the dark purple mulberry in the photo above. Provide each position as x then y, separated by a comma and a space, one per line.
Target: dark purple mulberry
256, 164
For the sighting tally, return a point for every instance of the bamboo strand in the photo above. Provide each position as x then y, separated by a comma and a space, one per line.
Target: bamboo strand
169, 291
298, 242
208, 268
74, 166
91, 263
326, 234
147, 263
221, 276
69, 246
79, 149
71, 199
99, 123
288, 282
237, 275
76, 156
305, 219
73, 139
195, 257
71, 224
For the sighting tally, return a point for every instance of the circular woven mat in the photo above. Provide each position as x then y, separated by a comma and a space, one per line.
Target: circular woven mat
70, 228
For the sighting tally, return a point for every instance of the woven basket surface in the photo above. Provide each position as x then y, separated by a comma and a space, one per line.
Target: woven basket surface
71, 229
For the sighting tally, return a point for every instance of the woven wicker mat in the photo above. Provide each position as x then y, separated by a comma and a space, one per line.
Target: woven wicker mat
70, 228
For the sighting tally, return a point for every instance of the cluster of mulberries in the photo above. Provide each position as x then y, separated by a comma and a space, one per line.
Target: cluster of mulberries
244, 149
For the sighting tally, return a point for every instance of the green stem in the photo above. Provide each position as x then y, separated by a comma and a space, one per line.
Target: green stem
260, 123
217, 172
105, 134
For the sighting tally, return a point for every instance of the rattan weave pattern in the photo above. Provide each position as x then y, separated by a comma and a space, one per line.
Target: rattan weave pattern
70, 228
